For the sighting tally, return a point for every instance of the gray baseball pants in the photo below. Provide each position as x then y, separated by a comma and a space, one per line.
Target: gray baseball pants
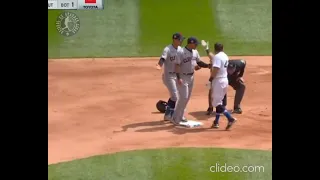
185, 90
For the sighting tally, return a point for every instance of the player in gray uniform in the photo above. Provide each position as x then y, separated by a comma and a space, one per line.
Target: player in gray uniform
169, 77
188, 58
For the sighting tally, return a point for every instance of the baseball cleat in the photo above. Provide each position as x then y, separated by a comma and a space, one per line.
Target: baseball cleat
209, 111
172, 120
230, 123
167, 118
215, 126
184, 119
237, 111
168, 114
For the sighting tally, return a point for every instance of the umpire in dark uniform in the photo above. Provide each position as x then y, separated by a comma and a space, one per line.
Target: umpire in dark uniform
235, 73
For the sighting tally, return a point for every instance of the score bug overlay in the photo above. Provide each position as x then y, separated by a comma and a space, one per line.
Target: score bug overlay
90, 1
91, 4
76, 4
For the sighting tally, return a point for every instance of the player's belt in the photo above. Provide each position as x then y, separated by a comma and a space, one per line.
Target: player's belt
188, 74
172, 72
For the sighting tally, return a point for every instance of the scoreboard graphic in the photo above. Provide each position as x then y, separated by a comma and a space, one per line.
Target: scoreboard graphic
76, 4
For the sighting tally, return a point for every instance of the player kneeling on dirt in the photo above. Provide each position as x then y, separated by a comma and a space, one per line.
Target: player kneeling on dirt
235, 77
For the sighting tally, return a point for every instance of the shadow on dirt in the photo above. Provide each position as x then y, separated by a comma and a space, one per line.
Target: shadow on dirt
181, 131
178, 130
155, 126
141, 124
201, 115
160, 125
165, 127
157, 112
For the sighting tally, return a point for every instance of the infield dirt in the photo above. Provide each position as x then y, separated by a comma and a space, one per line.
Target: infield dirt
99, 106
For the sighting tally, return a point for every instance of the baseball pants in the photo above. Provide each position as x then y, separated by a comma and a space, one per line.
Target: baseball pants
169, 80
239, 87
219, 88
184, 90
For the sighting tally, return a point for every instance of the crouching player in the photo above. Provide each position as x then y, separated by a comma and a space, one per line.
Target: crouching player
235, 77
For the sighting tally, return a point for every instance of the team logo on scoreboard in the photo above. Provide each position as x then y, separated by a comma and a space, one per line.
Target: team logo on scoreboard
68, 24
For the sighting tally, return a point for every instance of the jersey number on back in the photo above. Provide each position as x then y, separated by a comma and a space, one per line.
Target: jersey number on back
172, 58
225, 64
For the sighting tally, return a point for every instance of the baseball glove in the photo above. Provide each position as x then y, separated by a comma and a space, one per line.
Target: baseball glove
161, 106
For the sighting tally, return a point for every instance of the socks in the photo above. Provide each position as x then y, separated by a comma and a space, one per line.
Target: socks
170, 107
171, 104
168, 111
227, 114
216, 121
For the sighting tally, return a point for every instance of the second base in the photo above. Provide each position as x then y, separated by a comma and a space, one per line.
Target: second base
191, 124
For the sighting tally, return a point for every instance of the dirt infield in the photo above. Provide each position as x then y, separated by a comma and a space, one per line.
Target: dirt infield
104, 106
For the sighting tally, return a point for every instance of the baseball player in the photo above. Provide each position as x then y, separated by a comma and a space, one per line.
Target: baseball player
219, 83
167, 59
185, 65
235, 77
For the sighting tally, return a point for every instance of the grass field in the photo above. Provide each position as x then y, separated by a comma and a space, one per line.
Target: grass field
177, 163
144, 27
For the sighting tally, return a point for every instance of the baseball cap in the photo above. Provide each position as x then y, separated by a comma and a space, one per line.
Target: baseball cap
178, 36
192, 40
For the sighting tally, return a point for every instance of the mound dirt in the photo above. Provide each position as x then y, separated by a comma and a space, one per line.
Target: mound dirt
99, 106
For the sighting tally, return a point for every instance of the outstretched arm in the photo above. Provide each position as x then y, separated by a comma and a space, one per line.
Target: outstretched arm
206, 46
209, 54
201, 63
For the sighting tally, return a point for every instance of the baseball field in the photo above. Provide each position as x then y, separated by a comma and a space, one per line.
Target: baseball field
103, 87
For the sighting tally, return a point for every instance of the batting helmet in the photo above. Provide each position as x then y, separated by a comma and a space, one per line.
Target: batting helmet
161, 106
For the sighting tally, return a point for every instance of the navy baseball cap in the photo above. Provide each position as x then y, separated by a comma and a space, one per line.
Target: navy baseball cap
192, 40
178, 36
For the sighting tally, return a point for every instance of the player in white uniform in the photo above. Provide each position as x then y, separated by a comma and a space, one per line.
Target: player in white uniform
219, 84
188, 59
167, 59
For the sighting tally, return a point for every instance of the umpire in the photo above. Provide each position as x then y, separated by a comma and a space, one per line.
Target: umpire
235, 73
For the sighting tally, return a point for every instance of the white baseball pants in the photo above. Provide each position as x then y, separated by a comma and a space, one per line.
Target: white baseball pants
219, 89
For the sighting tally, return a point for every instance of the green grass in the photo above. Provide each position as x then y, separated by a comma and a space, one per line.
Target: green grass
160, 19
166, 164
111, 32
54, 39
144, 27
246, 26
